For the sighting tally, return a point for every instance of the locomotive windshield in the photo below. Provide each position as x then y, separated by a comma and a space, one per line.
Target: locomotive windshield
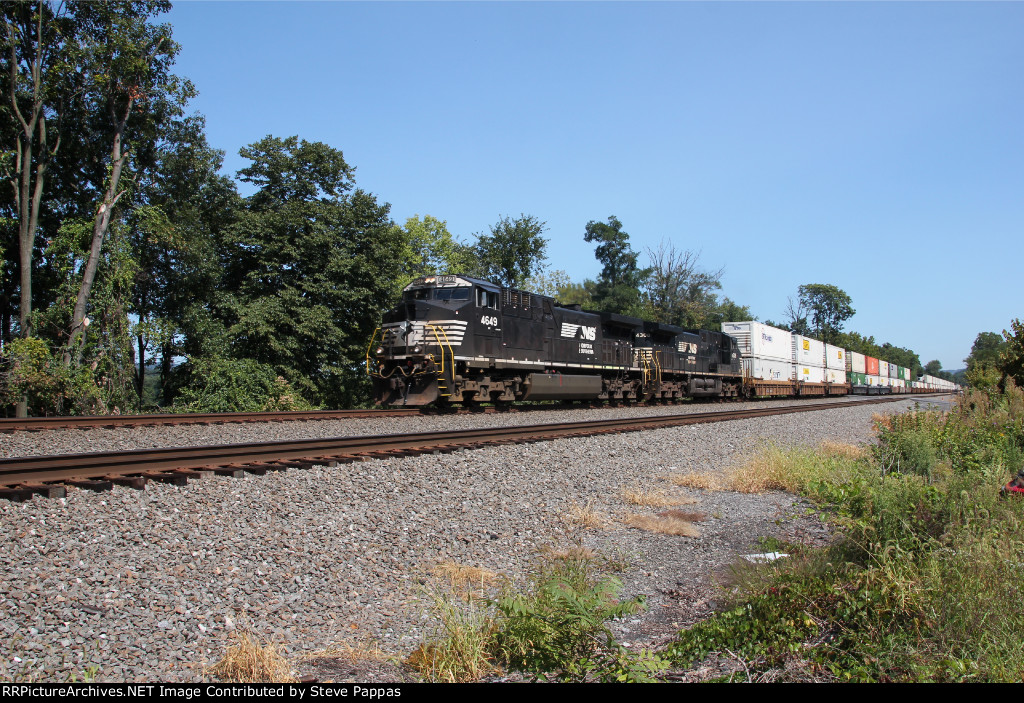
451, 294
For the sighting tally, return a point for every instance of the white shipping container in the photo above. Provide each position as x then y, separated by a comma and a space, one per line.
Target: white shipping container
835, 358
759, 340
810, 374
835, 376
857, 364
883, 369
807, 351
874, 381
767, 369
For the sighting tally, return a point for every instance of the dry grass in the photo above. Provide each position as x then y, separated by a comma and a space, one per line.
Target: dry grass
585, 516
847, 451
774, 468
458, 649
760, 472
252, 661
653, 498
882, 420
683, 515
350, 651
574, 553
703, 482
662, 525
464, 579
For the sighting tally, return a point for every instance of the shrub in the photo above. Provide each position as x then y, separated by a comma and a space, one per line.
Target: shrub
32, 371
557, 627
235, 385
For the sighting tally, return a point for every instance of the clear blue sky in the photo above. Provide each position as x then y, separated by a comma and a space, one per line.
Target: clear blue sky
875, 146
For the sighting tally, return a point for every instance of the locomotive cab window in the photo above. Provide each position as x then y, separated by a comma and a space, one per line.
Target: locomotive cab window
486, 299
418, 294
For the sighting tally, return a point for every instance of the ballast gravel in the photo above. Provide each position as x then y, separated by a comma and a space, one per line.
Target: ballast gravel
151, 585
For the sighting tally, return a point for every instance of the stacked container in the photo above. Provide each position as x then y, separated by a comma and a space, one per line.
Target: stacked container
835, 364
809, 356
855, 368
871, 370
767, 352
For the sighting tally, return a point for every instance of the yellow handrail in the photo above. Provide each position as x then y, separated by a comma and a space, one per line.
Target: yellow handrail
442, 382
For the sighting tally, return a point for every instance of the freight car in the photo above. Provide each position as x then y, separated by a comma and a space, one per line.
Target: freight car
458, 339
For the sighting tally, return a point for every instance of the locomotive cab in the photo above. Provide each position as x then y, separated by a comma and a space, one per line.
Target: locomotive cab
438, 318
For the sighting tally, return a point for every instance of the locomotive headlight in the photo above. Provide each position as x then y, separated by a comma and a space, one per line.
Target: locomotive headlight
417, 349
380, 351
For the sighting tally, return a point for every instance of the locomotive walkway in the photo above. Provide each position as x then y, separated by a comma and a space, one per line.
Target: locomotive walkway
21, 478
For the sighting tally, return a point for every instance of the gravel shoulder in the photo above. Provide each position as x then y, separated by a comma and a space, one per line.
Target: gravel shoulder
149, 585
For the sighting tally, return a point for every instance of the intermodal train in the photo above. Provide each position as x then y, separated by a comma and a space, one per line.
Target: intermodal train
458, 339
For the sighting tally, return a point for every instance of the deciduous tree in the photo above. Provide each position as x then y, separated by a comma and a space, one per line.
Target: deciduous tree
618, 288
828, 307
431, 248
131, 97
306, 268
1011, 358
678, 291
514, 250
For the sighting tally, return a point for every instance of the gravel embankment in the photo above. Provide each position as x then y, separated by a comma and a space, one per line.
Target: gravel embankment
147, 585
44, 442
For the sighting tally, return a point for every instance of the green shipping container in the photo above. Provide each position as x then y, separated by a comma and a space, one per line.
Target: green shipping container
858, 379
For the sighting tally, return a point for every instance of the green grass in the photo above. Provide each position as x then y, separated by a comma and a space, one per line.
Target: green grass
553, 627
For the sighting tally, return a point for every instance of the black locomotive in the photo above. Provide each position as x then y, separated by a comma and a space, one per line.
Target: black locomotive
458, 339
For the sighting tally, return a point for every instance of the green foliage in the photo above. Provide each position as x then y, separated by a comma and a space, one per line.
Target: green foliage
458, 651
924, 584
618, 288
235, 385
828, 308
678, 291
549, 283
581, 294
305, 282
31, 371
431, 248
1011, 358
557, 626
730, 311
513, 251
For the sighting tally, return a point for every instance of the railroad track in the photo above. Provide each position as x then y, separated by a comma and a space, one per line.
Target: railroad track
36, 424
23, 477
64, 422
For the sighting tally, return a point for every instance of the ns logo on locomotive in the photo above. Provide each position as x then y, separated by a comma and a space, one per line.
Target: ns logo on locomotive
456, 339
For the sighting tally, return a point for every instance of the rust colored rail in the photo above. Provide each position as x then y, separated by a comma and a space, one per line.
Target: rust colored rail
15, 424
22, 477
35, 424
